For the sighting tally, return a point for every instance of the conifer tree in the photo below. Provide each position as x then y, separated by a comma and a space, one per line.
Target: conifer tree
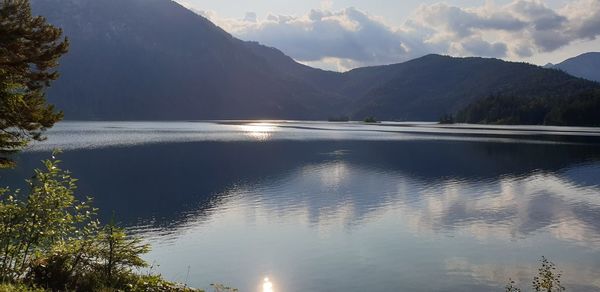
29, 52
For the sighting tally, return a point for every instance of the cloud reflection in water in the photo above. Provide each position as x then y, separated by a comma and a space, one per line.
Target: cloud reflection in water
336, 201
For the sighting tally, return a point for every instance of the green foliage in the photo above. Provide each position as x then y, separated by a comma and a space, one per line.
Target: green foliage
29, 52
48, 216
119, 252
19, 288
577, 110
547, 279
49, 239
155, 283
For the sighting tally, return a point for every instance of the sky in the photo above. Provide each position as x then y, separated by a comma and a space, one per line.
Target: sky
344, 34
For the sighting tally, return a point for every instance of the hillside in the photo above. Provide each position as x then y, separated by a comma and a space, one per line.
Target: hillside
431, 86
156, 60
585, 66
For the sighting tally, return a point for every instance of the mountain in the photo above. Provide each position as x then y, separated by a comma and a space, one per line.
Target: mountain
434, 85
585, 66
156, 60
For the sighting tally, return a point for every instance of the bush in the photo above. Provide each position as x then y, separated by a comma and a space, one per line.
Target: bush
49, 239
32, 225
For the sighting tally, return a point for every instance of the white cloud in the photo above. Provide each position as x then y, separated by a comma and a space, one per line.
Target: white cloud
350, 37
250, 17
326, 4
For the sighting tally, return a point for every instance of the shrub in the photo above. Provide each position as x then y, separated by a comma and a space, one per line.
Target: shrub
32, 225
49, 239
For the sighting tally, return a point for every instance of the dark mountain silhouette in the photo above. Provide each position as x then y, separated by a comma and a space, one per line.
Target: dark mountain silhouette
428, 87
585, 66
154, 59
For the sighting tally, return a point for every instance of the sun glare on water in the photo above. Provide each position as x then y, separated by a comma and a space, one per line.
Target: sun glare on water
267, 285
259, 131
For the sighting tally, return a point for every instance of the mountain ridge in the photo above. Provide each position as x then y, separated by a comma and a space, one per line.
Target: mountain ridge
121, 49
586, 65
157, 60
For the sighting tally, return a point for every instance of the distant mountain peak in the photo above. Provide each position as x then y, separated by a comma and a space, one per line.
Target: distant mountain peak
586, 66
548, 66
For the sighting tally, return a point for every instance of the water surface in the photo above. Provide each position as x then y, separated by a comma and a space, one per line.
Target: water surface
344, 206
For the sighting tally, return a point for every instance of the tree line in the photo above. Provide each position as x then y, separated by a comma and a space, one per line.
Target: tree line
582, 109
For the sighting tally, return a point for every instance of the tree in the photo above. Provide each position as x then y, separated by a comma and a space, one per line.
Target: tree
119, 253
29, 53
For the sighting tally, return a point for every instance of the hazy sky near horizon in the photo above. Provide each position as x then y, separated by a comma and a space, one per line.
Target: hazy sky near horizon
344, 34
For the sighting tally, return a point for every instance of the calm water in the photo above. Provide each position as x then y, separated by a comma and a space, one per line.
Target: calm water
342, 206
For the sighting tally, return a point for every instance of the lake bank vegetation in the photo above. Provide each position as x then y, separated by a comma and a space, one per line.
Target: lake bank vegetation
49, 240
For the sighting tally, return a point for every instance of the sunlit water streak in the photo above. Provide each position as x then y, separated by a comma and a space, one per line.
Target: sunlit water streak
89, 135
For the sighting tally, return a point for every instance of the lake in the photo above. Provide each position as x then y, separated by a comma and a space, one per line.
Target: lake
317, 206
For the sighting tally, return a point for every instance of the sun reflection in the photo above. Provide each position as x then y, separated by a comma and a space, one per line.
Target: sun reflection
267, 285
259, 131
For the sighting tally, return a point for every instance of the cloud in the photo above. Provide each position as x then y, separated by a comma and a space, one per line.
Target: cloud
350, 37
346, 38
585, 18
250, 17
522, 27
479, 47
460, 23
347, 34
326, 4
